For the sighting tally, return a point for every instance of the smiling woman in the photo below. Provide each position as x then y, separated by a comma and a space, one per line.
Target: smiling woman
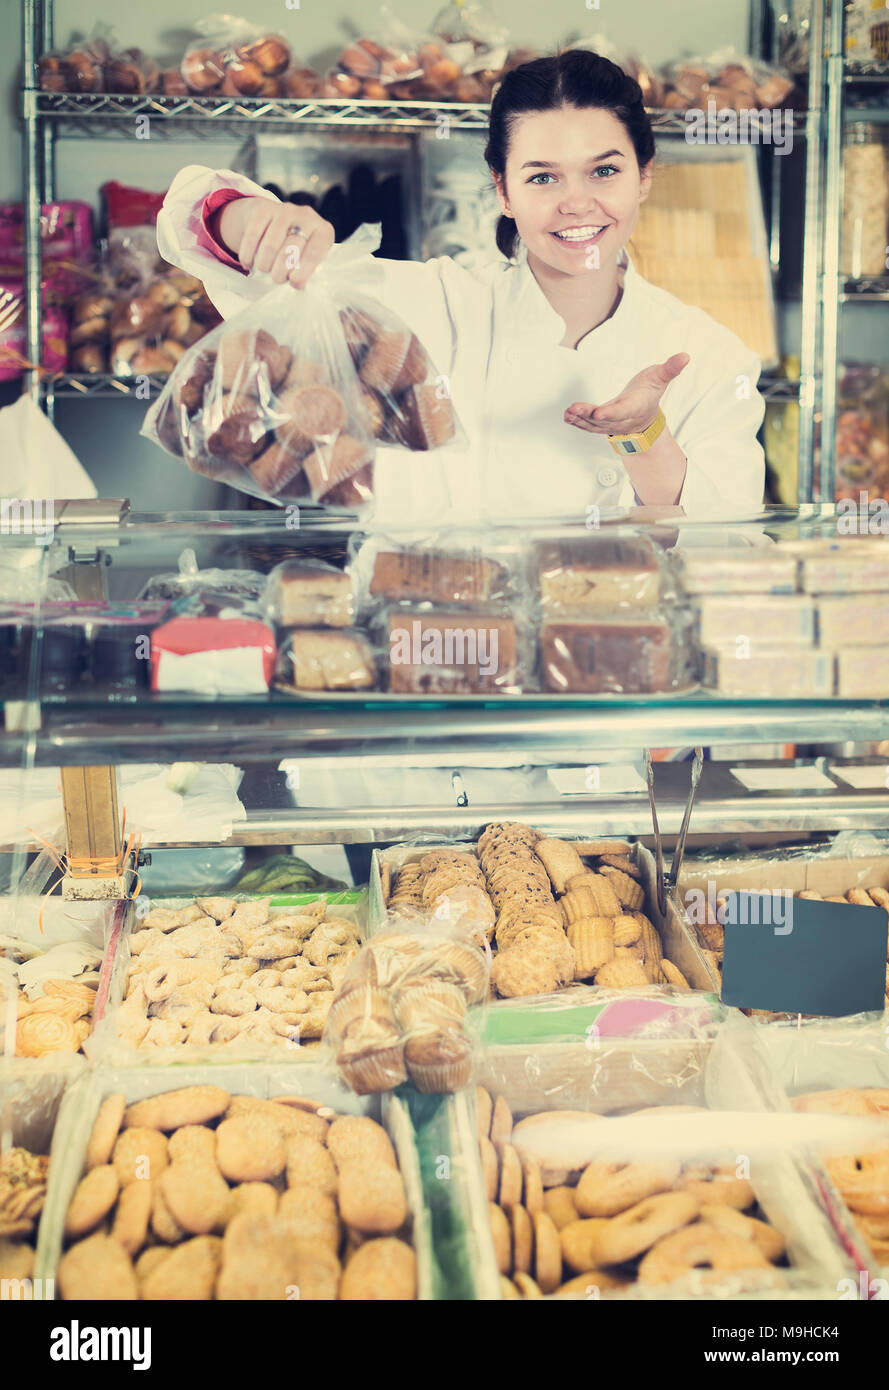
580, 386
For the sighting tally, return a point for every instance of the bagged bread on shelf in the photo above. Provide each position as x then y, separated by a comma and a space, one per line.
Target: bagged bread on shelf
453, 567
235, 57
309, 593
643, 653
728, 78
206, 586
327, 658
599, 574
288, 399
406, 1009
459, 651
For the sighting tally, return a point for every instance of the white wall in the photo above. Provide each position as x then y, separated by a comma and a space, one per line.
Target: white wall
104, 433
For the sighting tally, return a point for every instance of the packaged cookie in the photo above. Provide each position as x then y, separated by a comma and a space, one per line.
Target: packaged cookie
453, 568
407, 1008
239, 1188
288, 399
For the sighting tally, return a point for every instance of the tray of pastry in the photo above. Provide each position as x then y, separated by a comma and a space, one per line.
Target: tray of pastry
255, 1184
575, 1213
220, 976
555, 911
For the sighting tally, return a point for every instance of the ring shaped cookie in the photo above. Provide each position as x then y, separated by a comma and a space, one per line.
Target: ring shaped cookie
608, 1188
634, 1231
695, 1248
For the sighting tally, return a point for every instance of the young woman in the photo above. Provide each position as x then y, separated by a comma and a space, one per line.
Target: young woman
579, 385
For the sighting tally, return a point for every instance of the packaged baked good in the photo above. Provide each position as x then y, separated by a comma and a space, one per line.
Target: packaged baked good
598, 573
732, 80
285, 405
213, 1190
54, 333
641, 654
865, 225
235, 57
862, 673
208, 587
764, 619
450, 567
326, 659
851, 620
727, 570
406, 1009
227, 972
455, 651
770, 673
851, 565
302, 593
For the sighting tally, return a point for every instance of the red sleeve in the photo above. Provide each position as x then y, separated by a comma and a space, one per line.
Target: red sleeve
208, 236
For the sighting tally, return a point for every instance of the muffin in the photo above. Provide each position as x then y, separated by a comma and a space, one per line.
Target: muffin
427, 1005
371, 1056
439, 1062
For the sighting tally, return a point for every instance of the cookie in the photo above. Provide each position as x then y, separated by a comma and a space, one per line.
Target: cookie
258, 1260
310, 1162
490, 1169
501, 1235
547, 1252
163, 1224
310, 1215
105, 1130
197, 1197
249, 1148
360, 1138
260, 1197
187, 1274
193, 1105
149, 1260
532, 1185
139, 1154
97, 1270
192, 1144
501, 1122
522, 1240
510, 1191
558, 1203
372, 1197
132, 1216
93, 1198
290, 1118
382, 1270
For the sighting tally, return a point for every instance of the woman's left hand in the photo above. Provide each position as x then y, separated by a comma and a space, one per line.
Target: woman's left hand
637, 405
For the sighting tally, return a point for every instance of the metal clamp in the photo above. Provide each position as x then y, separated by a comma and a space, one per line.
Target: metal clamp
669, 880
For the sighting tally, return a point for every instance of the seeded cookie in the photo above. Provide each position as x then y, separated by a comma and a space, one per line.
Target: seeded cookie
197, 1197
187, 1274
105, 1130
132, 1215
93, 1198
97, 1269
249, 1148
139, 1154
310, 1162
383, 1270
193, 1105
361, 1138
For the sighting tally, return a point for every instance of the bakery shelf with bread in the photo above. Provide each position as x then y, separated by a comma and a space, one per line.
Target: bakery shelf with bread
589, 1203
802, 872
555, 911
239, 1183
221, 977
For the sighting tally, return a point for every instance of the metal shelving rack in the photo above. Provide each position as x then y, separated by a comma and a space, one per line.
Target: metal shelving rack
49, 115
835, 289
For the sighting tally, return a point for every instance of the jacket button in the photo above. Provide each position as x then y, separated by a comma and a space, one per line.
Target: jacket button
606, 477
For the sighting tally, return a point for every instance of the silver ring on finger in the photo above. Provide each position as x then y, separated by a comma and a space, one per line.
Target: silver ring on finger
297, 231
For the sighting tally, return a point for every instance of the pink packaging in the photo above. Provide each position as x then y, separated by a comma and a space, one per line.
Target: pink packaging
13, 344
66, 232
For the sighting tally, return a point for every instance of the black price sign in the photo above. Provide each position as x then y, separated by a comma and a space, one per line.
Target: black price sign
803, 956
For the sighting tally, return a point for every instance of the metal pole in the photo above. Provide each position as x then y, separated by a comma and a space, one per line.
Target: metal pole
809, 392
31, 175
48, 128
830, 285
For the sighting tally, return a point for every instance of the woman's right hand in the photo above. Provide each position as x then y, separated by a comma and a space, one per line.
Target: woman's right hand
286, 240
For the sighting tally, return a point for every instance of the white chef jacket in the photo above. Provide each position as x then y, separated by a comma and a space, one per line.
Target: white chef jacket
491, 331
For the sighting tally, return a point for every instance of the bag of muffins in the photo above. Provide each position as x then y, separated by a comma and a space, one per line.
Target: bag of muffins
289, 399
234, 57
409, 1009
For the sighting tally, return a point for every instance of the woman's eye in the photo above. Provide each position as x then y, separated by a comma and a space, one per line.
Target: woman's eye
606, 169
539, 176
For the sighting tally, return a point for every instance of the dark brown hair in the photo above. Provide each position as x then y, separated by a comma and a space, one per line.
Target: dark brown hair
575, 78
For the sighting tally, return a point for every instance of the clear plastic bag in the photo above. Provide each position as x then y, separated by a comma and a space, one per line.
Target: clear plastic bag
309, 594
730, 79
452, 567
407, 1008
78, 67
287, 399
235, 57
213, 586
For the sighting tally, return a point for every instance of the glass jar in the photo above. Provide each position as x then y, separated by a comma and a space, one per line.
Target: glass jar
865, 230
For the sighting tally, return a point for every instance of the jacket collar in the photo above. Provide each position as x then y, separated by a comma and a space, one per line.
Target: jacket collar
532, 313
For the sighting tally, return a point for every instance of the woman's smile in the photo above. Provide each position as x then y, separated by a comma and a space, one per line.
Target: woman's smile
579, 238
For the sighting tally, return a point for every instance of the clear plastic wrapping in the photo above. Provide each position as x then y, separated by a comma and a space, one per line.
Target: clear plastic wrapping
288, 399
555, 911
729, 78
650, 1167
336, 659
309, 594
647, 653
865, 224
407, 1009
253, 1183
449, 567
437, 650
222, 976
235, 57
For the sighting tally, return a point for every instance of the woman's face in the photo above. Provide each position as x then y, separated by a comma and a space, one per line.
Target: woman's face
572, 184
